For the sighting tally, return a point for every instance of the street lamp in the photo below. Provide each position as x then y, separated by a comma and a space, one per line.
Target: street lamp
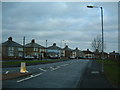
102, 33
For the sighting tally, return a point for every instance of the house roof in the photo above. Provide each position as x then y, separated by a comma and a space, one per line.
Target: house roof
76, 49
33, 44
87, 52
67, 48
11, 43
113, 53
54, 47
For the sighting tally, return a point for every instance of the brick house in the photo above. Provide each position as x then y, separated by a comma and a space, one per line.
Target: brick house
88, 54
54, 51
113, 55
34, 50
67, 52
11, 50
77, 53
98, 55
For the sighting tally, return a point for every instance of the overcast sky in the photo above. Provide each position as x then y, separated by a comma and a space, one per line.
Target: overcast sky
72, 22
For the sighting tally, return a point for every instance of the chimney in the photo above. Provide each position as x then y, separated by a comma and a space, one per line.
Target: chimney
76, 48
33, 41
66, 46
113, 51
54, 44
10, 39
87, 49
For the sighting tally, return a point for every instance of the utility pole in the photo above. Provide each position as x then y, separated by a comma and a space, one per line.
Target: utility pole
46, 48
23, 47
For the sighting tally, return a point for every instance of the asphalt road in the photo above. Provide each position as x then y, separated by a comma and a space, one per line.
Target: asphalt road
64, 74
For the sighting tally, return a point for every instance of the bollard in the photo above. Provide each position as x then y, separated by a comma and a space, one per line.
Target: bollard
23, 68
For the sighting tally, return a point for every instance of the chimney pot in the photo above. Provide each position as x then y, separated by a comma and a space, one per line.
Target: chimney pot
54, 44
33, 41
10, 38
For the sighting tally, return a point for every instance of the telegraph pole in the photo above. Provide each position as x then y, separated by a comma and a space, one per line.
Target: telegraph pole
46, 48
23, 47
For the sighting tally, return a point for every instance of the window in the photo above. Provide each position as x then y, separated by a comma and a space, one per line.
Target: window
42, 50
10, 48
20, 49
35, 49
20, 54
35, 54
10, 53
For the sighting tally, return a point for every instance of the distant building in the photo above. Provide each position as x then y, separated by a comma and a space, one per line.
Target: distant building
97, 54
34, 50
88, 54
105, 55
77, 53
66, 52
114, 56
11, 50
54, 51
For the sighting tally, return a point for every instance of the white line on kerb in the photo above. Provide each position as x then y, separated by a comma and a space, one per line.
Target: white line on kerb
42, 69
29, 77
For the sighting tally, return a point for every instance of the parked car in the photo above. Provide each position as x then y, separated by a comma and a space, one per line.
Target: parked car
54, 57
29, 57
72, 57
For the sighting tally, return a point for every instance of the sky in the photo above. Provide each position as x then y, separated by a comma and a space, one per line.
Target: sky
70, 23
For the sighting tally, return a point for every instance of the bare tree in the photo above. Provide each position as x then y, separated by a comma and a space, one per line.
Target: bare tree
97, 44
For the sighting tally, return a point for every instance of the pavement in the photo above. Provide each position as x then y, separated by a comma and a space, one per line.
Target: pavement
93, 78
14, 75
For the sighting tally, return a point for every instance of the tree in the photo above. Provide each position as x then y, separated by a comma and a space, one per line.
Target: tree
97, 44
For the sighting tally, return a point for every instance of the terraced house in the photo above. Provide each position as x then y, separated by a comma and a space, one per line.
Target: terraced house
54, 51
77, 53
67, 52
12, 50
88, 54
34, 50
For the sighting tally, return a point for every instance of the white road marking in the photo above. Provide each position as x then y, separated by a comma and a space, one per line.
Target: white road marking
29, 77
6, 72
94, 72
42, 69
55, 68
51, 67
37, 74
58, 66
64, 64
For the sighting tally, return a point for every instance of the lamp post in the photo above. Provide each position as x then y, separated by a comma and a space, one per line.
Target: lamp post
102, 69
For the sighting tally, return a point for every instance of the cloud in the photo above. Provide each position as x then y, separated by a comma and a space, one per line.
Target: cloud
57, 21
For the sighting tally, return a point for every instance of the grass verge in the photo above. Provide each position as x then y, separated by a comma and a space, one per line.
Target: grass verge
111, 71
28, 62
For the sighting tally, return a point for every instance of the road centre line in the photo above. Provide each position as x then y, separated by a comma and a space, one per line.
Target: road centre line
42, 69
51, 67
64, 64
55, 68
29, 77
94, 72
